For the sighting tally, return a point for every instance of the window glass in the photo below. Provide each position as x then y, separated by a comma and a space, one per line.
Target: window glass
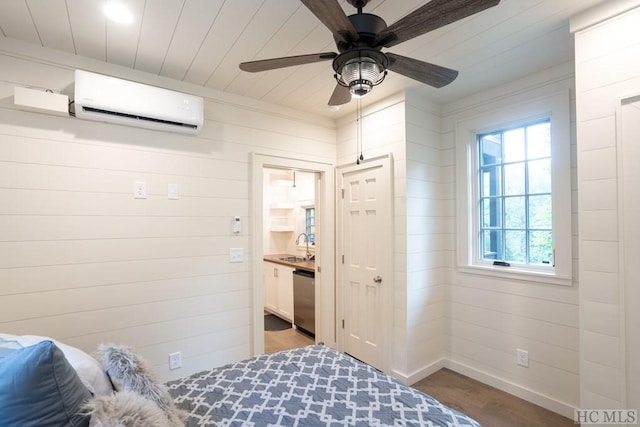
310, 224
541, 134
514, 145
515, 194
539, 176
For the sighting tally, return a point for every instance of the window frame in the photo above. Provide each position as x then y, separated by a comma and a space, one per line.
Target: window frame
555, 107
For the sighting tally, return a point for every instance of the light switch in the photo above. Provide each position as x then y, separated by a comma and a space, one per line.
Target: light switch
236, 254
139, 190
172, 191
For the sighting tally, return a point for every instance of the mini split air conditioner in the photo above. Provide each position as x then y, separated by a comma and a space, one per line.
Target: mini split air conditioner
112, 100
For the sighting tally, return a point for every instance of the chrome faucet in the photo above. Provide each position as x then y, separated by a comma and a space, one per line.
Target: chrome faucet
306, 238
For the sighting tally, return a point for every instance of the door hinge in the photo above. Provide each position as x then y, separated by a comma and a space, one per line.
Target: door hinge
343, 259
342, 191
342, 323
319, 269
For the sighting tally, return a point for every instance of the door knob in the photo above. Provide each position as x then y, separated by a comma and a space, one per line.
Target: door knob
377, 279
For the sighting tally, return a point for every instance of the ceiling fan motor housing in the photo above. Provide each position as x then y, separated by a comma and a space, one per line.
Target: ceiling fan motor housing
368, 27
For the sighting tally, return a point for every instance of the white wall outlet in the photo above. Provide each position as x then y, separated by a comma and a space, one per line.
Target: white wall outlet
139, 190
522, 357
175, 360
236, 254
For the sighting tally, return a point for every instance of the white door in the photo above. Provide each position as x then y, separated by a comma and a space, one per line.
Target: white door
365, 261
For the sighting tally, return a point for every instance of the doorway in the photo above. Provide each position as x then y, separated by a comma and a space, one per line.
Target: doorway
289, 247
324, 234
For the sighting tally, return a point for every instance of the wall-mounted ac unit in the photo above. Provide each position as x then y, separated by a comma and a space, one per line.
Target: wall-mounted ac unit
112, 100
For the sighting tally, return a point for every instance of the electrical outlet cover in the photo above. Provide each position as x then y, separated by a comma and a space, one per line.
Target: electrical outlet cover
236, 254
522, 358
139, 190
175, 360
172, 192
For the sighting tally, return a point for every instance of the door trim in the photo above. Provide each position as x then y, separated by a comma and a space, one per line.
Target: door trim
385, 161
325, 280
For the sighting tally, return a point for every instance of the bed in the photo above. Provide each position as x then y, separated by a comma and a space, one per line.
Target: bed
46, 382
309, 386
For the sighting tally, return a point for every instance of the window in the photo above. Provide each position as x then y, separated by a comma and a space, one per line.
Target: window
310, 224
514, 192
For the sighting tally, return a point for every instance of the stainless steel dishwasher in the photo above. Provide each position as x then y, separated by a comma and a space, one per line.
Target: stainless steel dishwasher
304, 301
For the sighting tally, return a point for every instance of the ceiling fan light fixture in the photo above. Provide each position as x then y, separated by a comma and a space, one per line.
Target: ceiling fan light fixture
360, 75
362, 72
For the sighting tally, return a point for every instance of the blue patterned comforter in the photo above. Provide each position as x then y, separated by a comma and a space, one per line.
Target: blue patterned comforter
309, 386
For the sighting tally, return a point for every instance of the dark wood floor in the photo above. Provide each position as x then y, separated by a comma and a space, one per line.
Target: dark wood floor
489, 406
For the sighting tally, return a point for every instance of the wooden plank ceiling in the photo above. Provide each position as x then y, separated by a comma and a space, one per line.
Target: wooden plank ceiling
203, 41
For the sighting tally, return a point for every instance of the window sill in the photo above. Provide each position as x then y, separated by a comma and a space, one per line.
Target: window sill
512, 273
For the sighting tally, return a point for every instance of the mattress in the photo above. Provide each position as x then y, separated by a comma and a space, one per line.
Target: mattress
309, 386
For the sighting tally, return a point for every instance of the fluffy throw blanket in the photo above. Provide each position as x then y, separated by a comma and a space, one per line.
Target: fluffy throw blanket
137, 385
126, 409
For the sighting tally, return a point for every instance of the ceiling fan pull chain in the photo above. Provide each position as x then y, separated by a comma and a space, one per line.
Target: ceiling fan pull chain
361, 137
359, 131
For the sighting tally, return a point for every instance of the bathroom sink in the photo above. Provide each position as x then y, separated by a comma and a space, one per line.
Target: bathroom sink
293, 259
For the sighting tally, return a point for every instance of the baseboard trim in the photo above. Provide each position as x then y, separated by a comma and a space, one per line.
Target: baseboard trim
539, 399
419, 374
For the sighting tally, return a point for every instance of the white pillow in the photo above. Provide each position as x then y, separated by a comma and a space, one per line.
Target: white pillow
88, 369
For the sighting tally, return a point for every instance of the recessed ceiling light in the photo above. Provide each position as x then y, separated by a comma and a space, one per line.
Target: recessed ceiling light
118, 12
334, 108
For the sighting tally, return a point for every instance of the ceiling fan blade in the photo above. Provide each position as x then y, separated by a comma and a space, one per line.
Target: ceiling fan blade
341, 95
333, 17
287, 61
433, 15
431, 74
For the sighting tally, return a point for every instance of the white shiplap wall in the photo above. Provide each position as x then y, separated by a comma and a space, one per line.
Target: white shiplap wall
489, 318
607, 71
84, 262
429, 206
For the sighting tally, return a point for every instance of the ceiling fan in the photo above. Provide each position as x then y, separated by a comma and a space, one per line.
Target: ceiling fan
359, 38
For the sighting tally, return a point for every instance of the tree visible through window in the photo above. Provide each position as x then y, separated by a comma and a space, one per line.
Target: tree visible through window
515, 194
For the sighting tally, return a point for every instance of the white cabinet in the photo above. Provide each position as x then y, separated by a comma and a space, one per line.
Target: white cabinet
281, 216
278, 289
270, 287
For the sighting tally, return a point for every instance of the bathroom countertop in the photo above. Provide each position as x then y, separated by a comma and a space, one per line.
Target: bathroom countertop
304, 265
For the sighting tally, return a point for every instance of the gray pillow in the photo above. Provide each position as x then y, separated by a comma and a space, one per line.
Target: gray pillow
38, 387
